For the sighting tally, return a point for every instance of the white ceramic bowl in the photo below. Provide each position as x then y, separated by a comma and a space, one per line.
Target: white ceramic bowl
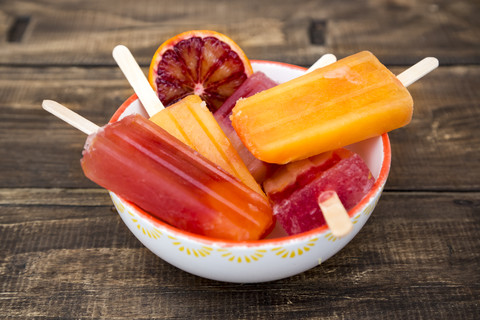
273, 258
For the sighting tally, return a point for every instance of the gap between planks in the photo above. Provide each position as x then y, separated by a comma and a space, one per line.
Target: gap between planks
99, 196
55, 196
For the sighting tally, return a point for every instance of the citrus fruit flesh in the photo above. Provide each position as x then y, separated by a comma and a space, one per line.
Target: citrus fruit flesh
205, 63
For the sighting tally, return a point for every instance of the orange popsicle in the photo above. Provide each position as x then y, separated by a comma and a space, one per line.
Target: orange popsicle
348, 101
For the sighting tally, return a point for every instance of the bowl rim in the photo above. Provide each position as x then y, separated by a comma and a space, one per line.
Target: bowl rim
377, 187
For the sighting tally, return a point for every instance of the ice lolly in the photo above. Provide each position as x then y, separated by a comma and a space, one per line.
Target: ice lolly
348, 101
142, 163
296, 187
189, 120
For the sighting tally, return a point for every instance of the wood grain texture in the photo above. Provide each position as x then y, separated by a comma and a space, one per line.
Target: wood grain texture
71, 261
439, 148
400, 32
43, 148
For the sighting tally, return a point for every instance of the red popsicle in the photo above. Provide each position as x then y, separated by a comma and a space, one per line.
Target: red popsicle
142, 163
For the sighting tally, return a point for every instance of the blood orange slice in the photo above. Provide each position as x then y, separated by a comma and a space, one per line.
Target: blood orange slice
202, 62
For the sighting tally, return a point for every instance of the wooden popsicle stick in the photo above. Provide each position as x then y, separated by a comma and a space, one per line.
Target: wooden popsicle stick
335, 214
137, 80
418, 70
324, 61
70, 117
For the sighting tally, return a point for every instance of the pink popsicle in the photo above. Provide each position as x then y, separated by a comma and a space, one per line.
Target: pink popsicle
294, 189
254, 84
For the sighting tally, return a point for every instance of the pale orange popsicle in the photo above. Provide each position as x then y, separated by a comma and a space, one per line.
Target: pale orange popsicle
354, 99
190, 121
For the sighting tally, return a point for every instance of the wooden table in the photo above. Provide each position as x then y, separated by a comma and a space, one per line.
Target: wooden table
65, 253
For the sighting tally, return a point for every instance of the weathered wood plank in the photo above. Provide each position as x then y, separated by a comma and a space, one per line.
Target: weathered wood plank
444, 132
65, 253
62, 33
46, 150
54, 196
439, 150
407, 262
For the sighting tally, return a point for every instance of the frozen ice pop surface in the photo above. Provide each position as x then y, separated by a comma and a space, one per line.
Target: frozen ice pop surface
294, 188
142, 163
353, 99
190, 121
257, 82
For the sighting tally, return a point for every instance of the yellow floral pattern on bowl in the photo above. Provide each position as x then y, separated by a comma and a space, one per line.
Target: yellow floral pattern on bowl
284, 252
201, 252
248, 258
